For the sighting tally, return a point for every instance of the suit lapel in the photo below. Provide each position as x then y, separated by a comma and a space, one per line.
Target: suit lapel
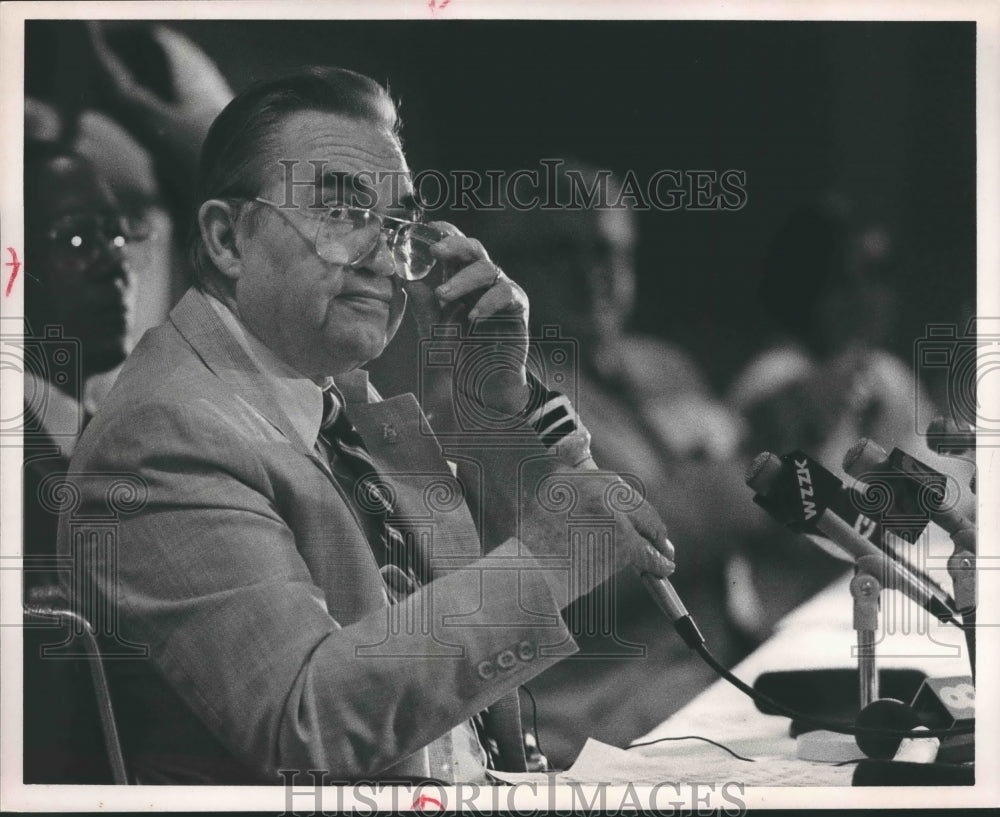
407, 455
396, 433
427, 497
201, 326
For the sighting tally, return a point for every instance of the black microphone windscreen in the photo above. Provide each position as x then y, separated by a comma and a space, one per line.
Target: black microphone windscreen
864, 457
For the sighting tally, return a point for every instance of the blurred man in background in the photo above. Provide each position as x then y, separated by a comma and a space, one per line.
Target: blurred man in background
80, 256
99, 269
652, 416
79, 296
829, 280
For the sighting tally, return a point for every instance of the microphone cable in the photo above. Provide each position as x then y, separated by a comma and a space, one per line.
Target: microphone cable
689, 633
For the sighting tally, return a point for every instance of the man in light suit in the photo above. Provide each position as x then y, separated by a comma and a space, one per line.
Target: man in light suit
295, 614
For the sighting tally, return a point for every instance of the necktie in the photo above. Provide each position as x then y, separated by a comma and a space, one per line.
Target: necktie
355, 470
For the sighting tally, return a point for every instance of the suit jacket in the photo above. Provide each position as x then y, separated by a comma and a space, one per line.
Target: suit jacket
274, 640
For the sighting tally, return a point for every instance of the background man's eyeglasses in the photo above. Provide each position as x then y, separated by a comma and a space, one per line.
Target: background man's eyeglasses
80, 239
348, 235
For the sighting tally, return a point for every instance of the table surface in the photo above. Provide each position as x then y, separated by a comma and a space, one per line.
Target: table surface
819, 634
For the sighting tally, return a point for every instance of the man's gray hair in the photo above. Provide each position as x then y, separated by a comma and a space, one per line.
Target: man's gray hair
240, 142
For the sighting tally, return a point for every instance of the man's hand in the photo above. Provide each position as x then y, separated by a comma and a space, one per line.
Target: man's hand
605, 500
652, 553
473, 289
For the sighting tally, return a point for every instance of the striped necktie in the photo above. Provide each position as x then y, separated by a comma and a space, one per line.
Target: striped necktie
354, 469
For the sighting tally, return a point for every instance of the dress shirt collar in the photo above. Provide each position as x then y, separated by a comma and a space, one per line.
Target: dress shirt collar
299, 396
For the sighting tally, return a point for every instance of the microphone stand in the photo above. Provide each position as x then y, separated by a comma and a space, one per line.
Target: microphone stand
866, 588
962, 569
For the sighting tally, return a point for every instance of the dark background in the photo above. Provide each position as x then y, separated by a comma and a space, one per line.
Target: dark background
881, 112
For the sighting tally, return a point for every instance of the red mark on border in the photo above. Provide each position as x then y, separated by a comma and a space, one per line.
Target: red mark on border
16, 265
425, 800
436, 6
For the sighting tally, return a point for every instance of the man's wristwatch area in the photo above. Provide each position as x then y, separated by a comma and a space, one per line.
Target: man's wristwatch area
552, 418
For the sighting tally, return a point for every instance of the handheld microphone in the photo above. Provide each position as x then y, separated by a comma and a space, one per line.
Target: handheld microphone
559, 429
917, 489
672, 607
799, 492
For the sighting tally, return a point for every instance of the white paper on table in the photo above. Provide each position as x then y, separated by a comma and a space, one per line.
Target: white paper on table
600, 763
597, 763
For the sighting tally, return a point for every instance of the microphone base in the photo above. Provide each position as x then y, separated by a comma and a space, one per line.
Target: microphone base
821, 746
878, 772
831, 694
957, 748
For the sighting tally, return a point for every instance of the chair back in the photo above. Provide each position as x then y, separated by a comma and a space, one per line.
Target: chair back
70, 733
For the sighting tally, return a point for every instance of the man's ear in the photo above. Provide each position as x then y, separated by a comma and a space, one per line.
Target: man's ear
217, 223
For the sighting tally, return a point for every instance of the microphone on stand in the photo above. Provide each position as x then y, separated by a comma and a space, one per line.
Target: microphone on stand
798, 491
921, 491
802, 494
947, 436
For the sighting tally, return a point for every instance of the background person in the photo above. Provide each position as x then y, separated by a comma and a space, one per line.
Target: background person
136, 100
652, 416
80, 260
829, 280
79, 265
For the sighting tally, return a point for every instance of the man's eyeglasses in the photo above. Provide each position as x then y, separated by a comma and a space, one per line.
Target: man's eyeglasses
348, 235
80, 239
